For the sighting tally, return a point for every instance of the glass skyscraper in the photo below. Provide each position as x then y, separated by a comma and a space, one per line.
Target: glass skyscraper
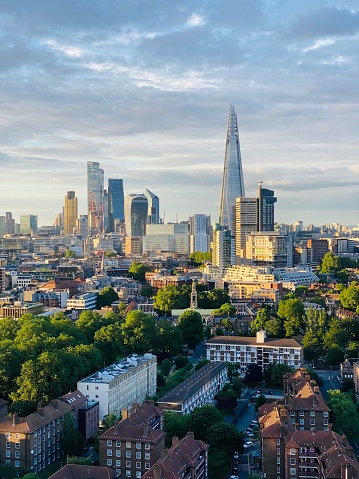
95, 197
232, 184
136, 208
153, 216
116, 202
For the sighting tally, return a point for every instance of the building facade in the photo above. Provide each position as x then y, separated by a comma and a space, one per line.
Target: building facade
153, 215
70, 213
259, 350
116, 203
232, 183
120, 384
136, 209
95, 189
28, 225
200, 232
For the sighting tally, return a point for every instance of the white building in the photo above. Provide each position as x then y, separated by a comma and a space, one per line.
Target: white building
82, 301
172, 237
199, 230
299, 276
246, 350
120, 384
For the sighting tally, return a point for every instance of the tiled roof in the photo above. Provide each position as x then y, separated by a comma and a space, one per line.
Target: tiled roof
128, 432
76, 471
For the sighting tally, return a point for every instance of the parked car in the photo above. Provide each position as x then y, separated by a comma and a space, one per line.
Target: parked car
234, 477
248, 444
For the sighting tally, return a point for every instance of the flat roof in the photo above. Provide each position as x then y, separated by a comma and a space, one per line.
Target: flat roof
252, 341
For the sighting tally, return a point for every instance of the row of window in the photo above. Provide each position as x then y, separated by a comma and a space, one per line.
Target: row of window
117, 463
128, 454
312, 413
110, 442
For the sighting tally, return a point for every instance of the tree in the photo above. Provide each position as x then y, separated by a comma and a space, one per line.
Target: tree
83, 461
291, 311
213, 299
89, 322
226, 399
273, 374
69, 435
109, 341
106, 297
312, 346
174, 425
139, 332
349, 297
191, 325
334, 356
10, 366
109, 420
181, 361
202, 418
137, 271
70, 254
9, 328
345, 415
166, 366
225, 310
168, 338
259, 322
218, 464
330, 263
225, 437
198, 257
227, 324
253, 375
171, 297
202, 362
261, 399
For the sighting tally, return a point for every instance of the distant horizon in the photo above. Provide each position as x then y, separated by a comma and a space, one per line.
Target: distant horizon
144, 88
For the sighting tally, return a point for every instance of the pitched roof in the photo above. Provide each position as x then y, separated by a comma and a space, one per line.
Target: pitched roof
77, 471
123, 431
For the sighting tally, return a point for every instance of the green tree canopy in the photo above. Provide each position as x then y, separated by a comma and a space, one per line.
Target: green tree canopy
106, 297
349, 297
198, 257
201, 419
109, 341
69, 435
174, 425
345, 415
291, 311
225, 310
213, 299
273, 374
139, 332
330, 263
168, 338
171, 297
225, 437
138, 270
191, 325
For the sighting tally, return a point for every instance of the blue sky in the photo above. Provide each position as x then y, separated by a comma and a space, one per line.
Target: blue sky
144, 87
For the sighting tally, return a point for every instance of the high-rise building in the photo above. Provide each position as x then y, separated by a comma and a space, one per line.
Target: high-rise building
2, 226
136, 208
153, 216
246, 222
70, 213
116, 203
200, 231
266, 200
232, 184
267, 249
223, 254
82, 226
9, 223
28, 225
95, 192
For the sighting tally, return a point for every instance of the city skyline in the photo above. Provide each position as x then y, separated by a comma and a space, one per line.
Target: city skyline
144, 89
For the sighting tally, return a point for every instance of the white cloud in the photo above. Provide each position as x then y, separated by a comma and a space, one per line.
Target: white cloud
67, 50
322, 42
195, 21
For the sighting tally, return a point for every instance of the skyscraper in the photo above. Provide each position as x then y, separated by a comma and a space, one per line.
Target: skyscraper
95, 197
266, 200
136, 208
116, 203
28, 225
200, 232
153, 216
70, 213
246, 222
223, 247
232, 184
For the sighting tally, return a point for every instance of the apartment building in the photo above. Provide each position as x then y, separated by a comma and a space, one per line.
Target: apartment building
85, 413
186, 459
260, 350
33, 442
130, 449
122, 383
198, 390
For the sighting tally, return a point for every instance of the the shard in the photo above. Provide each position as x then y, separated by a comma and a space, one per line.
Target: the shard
232, 184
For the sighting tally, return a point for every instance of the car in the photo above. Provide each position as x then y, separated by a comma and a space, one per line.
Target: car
259, 391
233, 477
248, 444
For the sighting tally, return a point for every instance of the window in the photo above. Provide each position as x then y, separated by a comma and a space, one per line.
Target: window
292, 451
292, 470
278, 442
147, 446
7, 444
17, 463
325, 414
128, 473
118, 462
278, 450
312, 422
128, 444
17, 445
278, 460
118, 453
325, 422
312, 413
292, 461
128, 463
301, 421
109, 462
138, 445
292, 413
138, 465
17, 454
147, 465
8, 453
17, 436
147, 456
128, 453
109, 452
138, 474
118, 443
301, 413
138, 455
8, 435
278, 470
109, 442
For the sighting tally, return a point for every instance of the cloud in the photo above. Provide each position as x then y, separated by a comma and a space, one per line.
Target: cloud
195, 21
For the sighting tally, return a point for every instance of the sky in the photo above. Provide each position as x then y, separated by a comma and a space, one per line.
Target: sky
144, 88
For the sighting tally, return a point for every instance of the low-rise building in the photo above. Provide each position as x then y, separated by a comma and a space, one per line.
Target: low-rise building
33, 442
186, 459
245, 350
82, 301
117, 386
197, 390
347, 369
77, 471
20, 308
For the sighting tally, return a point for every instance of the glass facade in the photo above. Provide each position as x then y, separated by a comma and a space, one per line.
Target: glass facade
266, 209
136, 209
95, 197
232, 185
116, 202
153, 215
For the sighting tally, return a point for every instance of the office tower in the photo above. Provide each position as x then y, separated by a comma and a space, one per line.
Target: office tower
2, 225
171, 237
28, 225
105, 211
136, 208
95, 178
246, 222
82, 226
9, 223
153, 215
116, 203
200, 231
232, 184
70, 213
267, 249
266, 200
223, 254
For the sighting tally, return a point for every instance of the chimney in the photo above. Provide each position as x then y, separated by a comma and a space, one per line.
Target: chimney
314, 399
115, 427
157, 473
316, 389
15, 419
346, 471
164, 453
151, 402
344, 440
175, 441
134, 407
125, 414
40, 410
54, 404
261, 336
146, 429
190, 434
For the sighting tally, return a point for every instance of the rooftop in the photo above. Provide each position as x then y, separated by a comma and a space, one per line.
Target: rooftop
252, 341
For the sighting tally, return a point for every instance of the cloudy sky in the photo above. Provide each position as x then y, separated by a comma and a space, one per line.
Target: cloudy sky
144, 87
